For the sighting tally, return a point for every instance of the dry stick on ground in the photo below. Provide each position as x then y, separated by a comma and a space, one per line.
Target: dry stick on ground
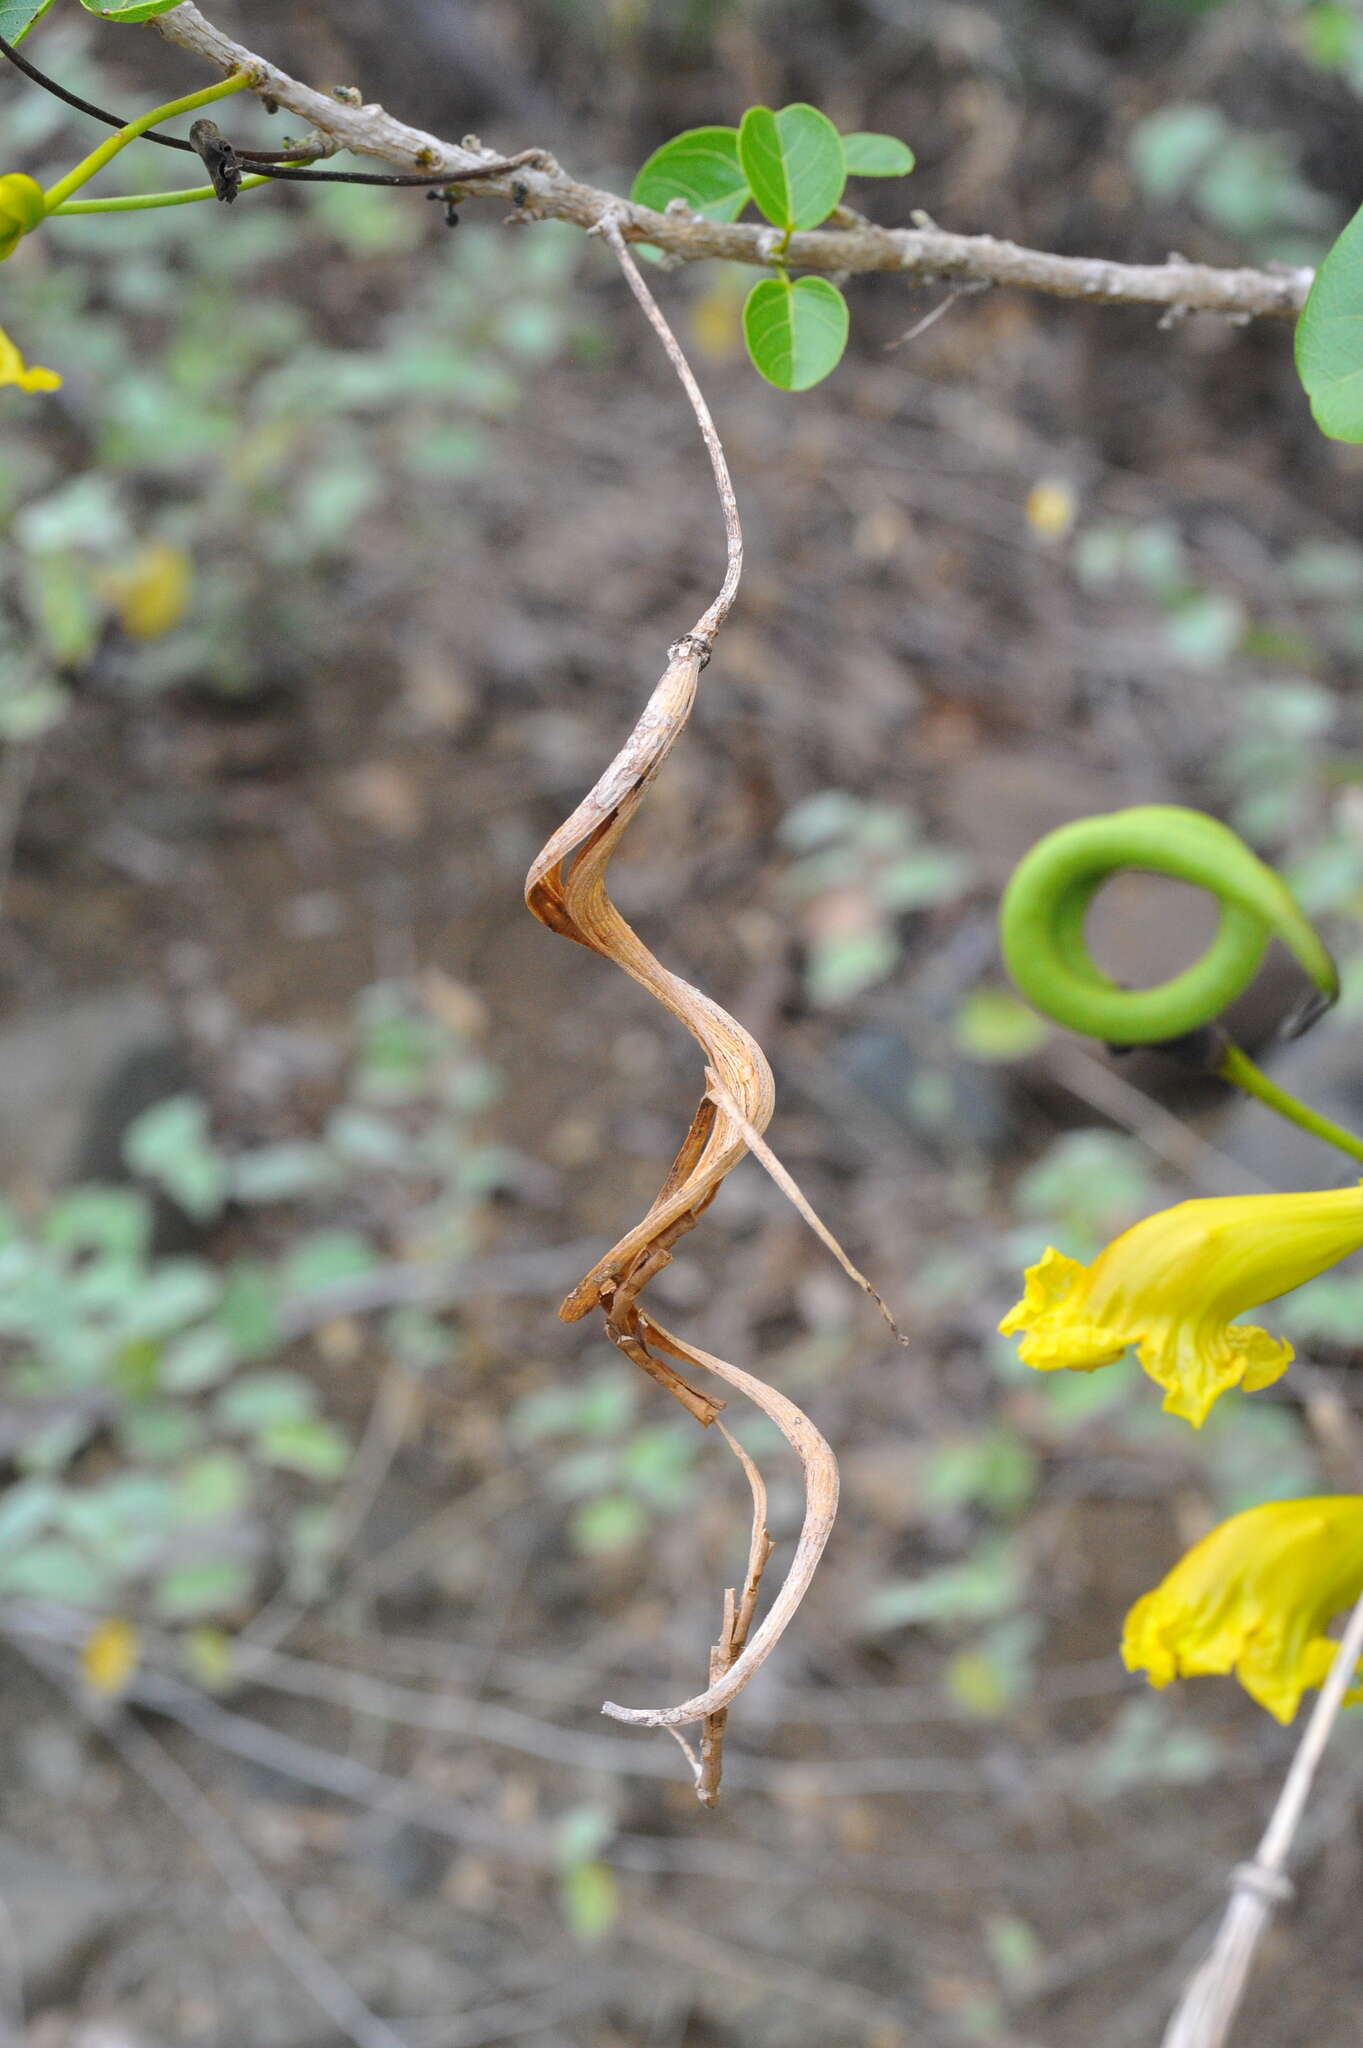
924, 254
1207, 2010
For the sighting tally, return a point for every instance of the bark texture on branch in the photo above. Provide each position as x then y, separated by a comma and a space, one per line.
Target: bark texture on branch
922, 255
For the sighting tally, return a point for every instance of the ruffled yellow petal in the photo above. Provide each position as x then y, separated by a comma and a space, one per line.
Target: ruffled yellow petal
1059, 1331
1172, 1285
14, 370
1196, 1365
1254, 1597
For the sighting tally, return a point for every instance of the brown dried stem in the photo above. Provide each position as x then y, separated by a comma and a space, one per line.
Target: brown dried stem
566, 890
739, 1612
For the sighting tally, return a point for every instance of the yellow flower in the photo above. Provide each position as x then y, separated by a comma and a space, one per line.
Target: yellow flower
1255, 1597
14, 370
109, 1656
1171, 1284
22, 206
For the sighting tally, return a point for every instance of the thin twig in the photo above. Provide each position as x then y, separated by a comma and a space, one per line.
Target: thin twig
1206, 2012
921, 254
609, 228
785, 1180
931, 318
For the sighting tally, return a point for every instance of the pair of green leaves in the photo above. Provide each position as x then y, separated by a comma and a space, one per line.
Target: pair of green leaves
18, 16
793, 165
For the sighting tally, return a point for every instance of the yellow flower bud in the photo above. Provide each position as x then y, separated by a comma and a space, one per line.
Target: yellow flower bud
1255, 1597
1171, 1284
22, 206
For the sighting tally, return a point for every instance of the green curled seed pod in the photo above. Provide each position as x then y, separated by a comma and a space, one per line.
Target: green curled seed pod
1041, 923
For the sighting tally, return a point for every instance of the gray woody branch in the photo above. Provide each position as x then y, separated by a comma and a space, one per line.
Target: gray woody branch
922, 254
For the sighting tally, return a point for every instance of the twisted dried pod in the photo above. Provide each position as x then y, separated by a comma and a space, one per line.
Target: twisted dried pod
566, 890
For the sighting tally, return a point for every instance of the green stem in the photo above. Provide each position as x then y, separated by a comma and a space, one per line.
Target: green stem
107, 151
1237, 1067
139, 202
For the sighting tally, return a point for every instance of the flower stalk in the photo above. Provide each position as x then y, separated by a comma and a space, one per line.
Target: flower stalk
144, 202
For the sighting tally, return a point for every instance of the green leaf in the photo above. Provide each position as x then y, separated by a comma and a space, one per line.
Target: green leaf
364, 1138
993, 1673
264, 1400
590, 1898
582, 1833
983, 1585
325, 1259
876, 156
316, 1449
1330, 338
25, 1509
55, 1571
611, 1522
18, 16
213, 1487
844, 965
100, 1219
700, 166
281, 1173
199, 1359
249, 1308
994, 1470
171, 1144
168, 1299
62, 602
794, 165
159, 1431
1168, 149
994, 1024
930, 874
213, 1585
1144, 1748
128, 10
795, 331
26, 714
1205, 627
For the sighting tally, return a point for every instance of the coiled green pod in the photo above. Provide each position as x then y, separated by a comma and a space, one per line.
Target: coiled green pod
1041, 923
